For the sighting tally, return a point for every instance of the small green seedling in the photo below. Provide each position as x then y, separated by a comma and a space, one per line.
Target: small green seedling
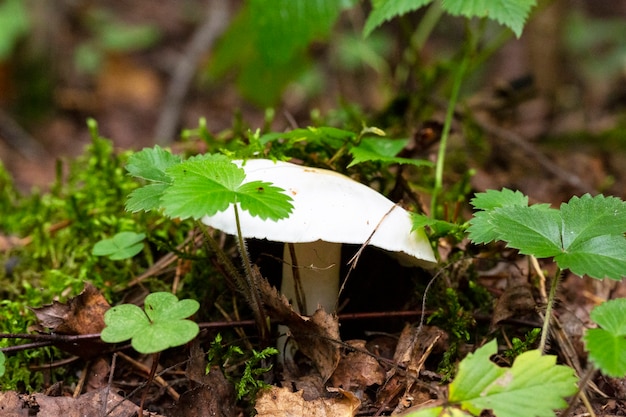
123, 245
533, 386
607, 345
586, 235
159, 326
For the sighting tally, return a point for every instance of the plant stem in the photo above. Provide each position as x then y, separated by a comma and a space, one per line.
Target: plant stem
548, 315
251, 288
456, 87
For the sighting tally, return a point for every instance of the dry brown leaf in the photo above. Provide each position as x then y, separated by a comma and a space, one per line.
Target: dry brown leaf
83, 314
357, 370
281, 402
212, 396
91, 404
515, 301
316, 336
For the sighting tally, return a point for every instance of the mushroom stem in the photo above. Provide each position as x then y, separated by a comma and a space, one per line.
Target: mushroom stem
316, 266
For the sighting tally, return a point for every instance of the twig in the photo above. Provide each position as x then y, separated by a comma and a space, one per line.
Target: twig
20, 140
202, 40
536, 155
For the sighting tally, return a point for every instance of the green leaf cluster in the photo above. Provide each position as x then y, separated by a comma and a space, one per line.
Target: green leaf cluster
159, 326
510, 13
586, 235
607, 344
533, 387
200, 186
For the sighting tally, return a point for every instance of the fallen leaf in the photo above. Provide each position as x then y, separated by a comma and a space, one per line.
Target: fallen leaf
357, 370
316, 336
83, 314
90, 404
212, 396
281, 402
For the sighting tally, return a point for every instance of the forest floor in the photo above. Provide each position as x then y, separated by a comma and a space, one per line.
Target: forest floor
547, 149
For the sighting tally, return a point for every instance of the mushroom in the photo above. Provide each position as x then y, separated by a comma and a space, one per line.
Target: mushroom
329, 209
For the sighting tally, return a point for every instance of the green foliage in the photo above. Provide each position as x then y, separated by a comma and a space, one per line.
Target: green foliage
159, 326
520, 346
607, 345
266, 44
14, 23
2, 361
510, 13
586, 235
123, 245
383, 150
533, 386
200, 186
250, 382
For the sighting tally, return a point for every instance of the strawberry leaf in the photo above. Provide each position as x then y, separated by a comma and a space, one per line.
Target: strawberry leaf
607, 345
533, 379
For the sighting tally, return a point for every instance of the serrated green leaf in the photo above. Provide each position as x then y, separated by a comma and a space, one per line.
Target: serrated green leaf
533, 379
607, 345
263, 200
533, 230
492, 199
611, 316
385, 10
159, 327
201, 186
210, 184
151, 164
121, 246
586, 235
510, 13
587, 217
600, 257
607, 351
383, 150
481, 229
146, 198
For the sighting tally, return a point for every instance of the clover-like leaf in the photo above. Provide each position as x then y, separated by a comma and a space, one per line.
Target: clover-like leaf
159, 327
123, 245
607, 345
533, 379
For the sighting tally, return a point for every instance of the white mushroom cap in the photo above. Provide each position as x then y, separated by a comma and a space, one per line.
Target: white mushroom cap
330, 207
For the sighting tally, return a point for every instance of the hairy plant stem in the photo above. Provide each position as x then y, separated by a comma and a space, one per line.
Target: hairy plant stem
251, 288
548, 315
